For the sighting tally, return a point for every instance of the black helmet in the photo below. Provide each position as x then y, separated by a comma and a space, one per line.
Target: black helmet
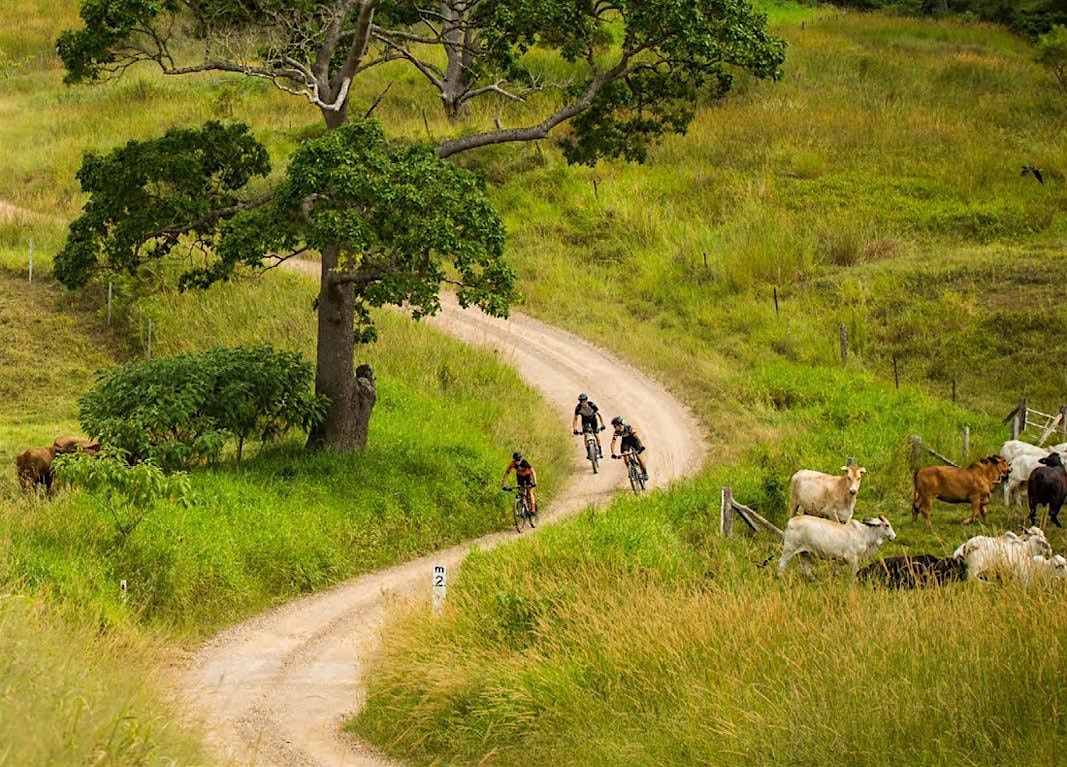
583, 397
516, 456
617, 421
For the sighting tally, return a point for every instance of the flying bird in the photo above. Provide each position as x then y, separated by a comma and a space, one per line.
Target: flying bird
1030, 170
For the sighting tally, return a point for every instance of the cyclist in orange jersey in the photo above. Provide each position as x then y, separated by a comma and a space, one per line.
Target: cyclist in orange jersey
525, 477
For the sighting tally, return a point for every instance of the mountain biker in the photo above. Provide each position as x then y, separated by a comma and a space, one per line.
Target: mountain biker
630, 441
589, 413
525, 478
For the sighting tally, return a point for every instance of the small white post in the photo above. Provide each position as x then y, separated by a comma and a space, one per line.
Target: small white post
122, 590
109, 303
31, 260
439, 586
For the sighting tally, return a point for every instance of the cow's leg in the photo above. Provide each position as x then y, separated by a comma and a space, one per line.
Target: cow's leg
1033, 511
1054, 512
786, 556
805, 564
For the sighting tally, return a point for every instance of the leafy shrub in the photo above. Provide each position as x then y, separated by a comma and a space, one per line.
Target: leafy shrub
129, 493
183, 410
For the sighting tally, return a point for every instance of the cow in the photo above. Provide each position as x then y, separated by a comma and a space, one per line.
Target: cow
951, 484
1007, 555
1022, 467
69, 444
914, 571
1014, 448
825, 495
34, 467
826, 539
1047, 486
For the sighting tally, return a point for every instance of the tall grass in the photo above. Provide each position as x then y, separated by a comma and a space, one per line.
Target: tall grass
71, 696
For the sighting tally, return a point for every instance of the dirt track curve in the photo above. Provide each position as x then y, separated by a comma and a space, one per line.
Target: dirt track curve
275, 689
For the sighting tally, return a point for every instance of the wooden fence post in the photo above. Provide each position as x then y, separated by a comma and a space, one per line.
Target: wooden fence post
775, 289
916, 451
842, 333
726, 518
896, 376
1018, 419
966, 446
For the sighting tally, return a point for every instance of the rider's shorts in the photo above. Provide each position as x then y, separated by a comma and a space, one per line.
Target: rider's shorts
523, 481
589, 424
631, 443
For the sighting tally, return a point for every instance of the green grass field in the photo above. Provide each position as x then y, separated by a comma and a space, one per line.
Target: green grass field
876, 186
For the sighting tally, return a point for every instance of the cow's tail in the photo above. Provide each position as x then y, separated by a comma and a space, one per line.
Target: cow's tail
915, 494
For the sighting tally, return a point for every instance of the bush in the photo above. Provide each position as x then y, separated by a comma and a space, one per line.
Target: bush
183, 410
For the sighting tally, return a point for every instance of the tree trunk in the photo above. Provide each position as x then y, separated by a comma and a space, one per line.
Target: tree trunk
351, 399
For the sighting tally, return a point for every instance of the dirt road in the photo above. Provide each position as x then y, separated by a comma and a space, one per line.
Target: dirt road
275, 689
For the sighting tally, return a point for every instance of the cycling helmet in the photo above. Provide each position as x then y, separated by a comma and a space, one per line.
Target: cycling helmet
517, 456
617, 421
583, 397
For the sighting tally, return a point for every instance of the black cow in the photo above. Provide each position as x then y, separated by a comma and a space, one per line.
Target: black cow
909, 572
1047, 485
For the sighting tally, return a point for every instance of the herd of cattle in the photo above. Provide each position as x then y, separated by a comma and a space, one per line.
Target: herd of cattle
822, 506
825, 504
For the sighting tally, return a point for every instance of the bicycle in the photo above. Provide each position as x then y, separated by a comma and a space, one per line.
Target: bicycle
633, 470
522, 513
592, 450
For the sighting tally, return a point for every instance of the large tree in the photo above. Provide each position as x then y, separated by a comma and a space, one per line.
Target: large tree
632, 70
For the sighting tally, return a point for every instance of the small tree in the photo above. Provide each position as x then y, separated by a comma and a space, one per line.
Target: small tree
178, 411
1052, 53
129, 493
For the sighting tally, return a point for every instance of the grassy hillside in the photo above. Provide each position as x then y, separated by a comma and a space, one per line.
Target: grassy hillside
877, 185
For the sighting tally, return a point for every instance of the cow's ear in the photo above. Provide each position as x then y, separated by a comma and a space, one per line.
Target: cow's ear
844, 468
862, 470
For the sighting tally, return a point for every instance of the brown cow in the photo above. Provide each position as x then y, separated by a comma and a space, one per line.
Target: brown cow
69, 444
954, 485
34, 467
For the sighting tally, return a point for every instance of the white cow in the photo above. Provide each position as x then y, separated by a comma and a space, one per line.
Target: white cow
827, 539
1021, 468
1013, 448
1008, 554
826, 495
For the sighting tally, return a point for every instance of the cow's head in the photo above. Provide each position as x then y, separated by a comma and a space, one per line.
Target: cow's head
887, 529
1052, 459
997, 468
854, 474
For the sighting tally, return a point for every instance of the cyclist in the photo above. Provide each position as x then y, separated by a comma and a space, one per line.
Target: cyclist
630, 441
587, 410
525, 478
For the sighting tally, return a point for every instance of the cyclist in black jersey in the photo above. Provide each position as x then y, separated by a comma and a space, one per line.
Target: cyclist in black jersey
587, 410
629, 441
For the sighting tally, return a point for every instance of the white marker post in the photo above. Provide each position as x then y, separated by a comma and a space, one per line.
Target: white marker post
439, 585
122, 590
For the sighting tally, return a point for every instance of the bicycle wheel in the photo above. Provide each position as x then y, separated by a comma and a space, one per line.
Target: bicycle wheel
520, 511
591, 454
635, 476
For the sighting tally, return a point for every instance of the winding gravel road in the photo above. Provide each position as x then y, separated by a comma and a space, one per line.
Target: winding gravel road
275, 689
